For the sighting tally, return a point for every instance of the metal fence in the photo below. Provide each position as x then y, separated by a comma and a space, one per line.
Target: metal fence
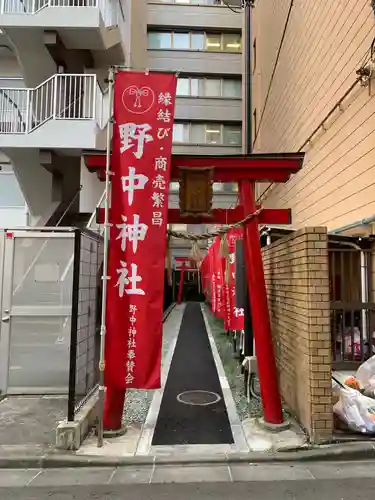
85, 322
352, 311
60, 97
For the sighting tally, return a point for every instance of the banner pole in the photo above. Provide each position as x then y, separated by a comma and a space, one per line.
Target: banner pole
105, 276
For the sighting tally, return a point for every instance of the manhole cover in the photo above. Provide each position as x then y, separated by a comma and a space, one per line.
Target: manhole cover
198, 398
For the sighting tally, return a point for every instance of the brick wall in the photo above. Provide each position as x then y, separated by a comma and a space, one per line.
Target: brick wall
296, 272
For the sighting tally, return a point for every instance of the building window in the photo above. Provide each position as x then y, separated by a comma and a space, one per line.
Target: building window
195, 87
213, 134
232, 135
220, 134
212, 87
181, 132
232, 88
230, 187
197, 41
231, 42
225, 187
209, 87
181, 41
183, 87
178, 227
194, 40
214, 42
159, 40
197, 133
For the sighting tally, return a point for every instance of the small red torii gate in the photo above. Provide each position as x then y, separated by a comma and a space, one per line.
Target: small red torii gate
246, 170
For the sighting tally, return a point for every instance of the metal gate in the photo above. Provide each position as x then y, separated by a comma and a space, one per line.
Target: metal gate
36, 278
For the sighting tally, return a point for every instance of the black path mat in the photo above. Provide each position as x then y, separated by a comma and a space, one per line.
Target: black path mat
192, 368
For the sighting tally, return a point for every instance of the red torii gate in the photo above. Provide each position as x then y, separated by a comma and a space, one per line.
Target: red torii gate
246, 170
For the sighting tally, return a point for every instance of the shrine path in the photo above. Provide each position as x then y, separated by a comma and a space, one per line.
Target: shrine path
192, 369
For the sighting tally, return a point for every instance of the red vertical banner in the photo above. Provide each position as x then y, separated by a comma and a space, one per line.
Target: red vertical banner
237, 314
211, 258
141, 159
219, 279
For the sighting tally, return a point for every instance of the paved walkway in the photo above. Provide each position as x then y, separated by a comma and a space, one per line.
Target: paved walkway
27, 427
193, 409
222, 474
28, 423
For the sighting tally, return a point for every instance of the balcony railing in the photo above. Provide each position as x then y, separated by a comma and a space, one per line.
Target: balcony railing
61, 97
108, 8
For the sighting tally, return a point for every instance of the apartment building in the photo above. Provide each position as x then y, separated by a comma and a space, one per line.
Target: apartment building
54, 109
202, 42
305, 64
54, 58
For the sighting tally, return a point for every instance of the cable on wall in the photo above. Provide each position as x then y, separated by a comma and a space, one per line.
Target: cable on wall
232, 8
361, 79
275, 67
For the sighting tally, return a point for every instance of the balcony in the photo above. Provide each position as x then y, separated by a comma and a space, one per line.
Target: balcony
81, 24
64, 112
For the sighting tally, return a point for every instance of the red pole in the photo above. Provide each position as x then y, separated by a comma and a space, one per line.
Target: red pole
259, 311
113, 408
181, 287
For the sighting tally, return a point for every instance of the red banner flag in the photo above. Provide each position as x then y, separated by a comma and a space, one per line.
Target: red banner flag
220, 299
141, 159
237, 314
211, 260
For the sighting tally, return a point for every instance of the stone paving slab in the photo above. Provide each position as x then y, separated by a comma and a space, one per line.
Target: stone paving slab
264, 472
53, 459
17, 477
164, 474
191, 474
72, 476
137, 475
30, 421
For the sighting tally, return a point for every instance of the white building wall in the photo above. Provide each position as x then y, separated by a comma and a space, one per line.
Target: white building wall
13, 208
92, 189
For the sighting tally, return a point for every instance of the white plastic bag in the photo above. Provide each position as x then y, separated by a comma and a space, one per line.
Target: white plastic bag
366, 374
356, 410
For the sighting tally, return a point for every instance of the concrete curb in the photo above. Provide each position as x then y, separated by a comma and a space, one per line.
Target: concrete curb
54, 460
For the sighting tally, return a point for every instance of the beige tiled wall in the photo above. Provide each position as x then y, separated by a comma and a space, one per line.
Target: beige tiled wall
296, 272
325, 43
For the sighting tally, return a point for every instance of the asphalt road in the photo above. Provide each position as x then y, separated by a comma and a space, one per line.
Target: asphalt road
315, 481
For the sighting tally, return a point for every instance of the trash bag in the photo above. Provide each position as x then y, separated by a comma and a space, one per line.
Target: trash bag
356, 410
366, 375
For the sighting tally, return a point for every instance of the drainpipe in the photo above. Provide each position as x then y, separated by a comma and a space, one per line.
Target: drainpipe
353, 225
249, 344
364, 297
